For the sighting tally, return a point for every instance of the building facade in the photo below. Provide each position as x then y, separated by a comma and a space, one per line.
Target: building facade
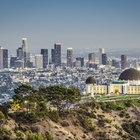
44, 53
69, 57
3, 58
123, 61
128, 83
38, 61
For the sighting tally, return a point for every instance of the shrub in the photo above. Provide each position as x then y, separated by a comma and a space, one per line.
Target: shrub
101, 122
2, 118
54, 116
93, 128
20, 134
48, 136
133, 128
4, 132
122, 113
108, 121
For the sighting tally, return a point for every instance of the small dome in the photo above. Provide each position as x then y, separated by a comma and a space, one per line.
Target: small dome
90, 80
130, 74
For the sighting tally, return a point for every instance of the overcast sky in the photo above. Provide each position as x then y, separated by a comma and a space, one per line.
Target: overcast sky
80, 24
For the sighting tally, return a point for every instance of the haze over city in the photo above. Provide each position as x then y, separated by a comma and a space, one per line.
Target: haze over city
81, 24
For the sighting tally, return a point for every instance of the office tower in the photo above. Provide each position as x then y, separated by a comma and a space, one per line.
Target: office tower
81, 59
92, 57
19, 64
39, 61
104, 59
69, 57
115, 63
56, 55
123, 61
12, 62
32, 60
77, 63
3, 58
26, 54
52, 56
101, 51
44, 53
20, 53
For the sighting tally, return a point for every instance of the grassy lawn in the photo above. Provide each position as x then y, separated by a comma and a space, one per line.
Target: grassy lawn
118, 97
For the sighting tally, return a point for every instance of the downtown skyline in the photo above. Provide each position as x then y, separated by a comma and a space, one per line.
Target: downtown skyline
81, 24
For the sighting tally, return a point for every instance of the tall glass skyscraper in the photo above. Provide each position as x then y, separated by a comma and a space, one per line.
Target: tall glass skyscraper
44, 53
69, 57
3, 58
26, 55
57, 54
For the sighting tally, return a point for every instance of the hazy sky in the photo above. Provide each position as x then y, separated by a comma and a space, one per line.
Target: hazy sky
88, 24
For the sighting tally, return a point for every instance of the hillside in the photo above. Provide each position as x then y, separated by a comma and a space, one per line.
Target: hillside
55, 113
90, 121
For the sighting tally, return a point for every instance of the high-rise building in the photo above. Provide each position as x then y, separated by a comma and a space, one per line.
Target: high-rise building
56, 55
92, 57
123, 61
52, 56
81, 59
69, 57
12, 62
44, 52
101, 51
20, 53
104, 59
26, 54
115, 63
39, 61
3, 58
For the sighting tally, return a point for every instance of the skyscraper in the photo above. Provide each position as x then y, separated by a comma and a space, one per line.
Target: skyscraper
101, 51
69, 57
52, 56
81, 59
123, 61
3, 58
44, 53
104, 59
25, 52
56, 54
39, 61
92, 57
20, 53
12, 62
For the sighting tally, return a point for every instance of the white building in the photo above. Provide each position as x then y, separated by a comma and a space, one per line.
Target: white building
128, 83
38, 61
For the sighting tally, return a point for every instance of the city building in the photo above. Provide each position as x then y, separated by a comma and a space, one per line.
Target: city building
123, 61
56, 55
81, 59
104, 59
20, 53
77, 63
115, 63
52, 56
39, 61
128, 83
26, 54
101, 51
69, 57
19, 64
12, 62
92, 57
44, 53
3, 58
